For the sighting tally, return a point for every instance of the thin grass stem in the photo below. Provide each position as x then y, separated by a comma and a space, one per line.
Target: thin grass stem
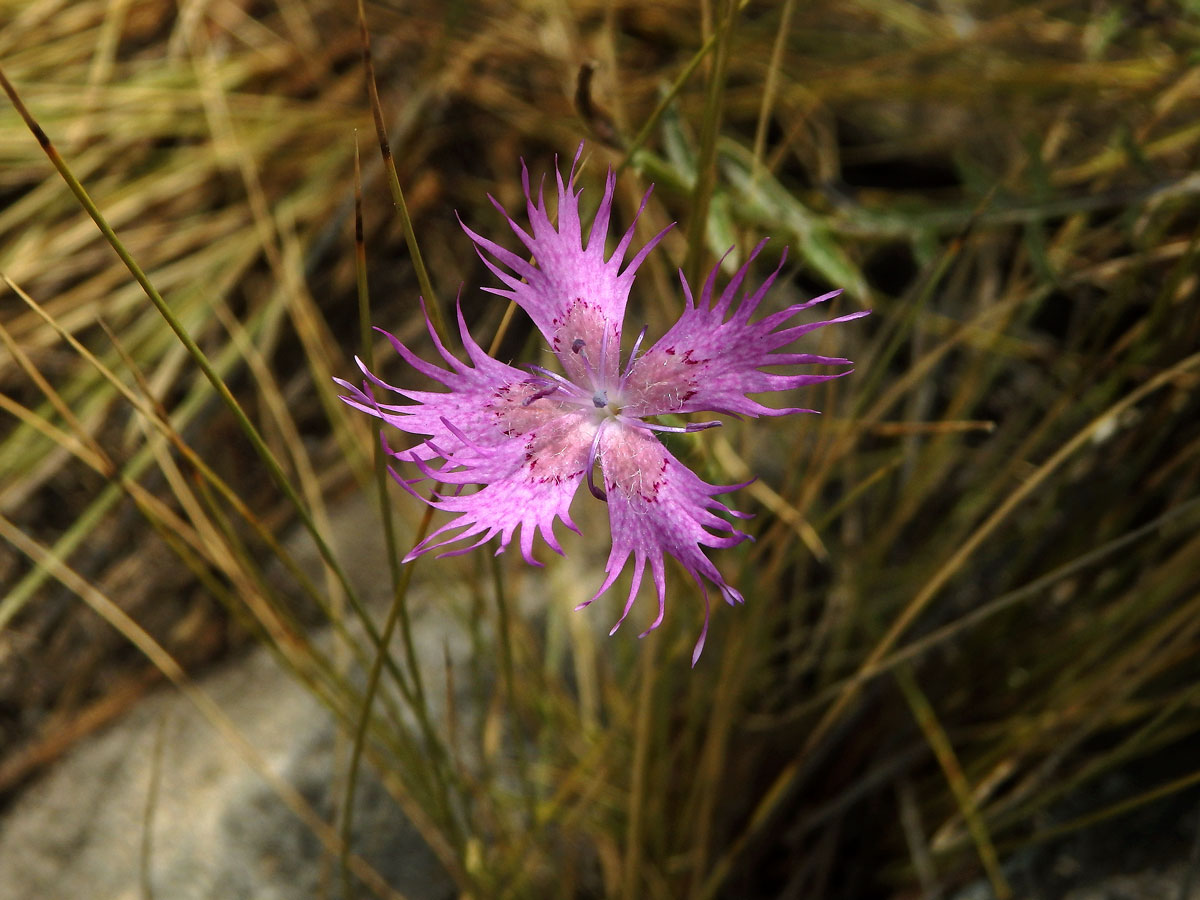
936, 737
785, 781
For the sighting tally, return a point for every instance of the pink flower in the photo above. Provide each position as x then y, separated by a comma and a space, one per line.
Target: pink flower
528, 438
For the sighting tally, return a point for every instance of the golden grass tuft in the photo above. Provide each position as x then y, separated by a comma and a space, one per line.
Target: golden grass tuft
973, 598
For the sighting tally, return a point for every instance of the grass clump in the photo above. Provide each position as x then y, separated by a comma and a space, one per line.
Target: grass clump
972, 601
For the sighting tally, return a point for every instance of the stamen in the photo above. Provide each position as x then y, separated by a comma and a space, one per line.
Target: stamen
600, 400
633, 355
564, 384
604, 343
580, 348
689, 428
596, 490
544, 392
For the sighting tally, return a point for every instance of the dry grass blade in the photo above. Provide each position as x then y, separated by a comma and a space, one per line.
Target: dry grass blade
398, 613
385, 148
900, 625
944, 751
980, 534
213, 546
199, 357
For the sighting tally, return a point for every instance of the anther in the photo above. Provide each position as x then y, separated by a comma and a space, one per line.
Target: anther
600, 399
577, 345
544, 392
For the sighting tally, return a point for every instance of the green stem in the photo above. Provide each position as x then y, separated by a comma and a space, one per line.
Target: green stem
706, 163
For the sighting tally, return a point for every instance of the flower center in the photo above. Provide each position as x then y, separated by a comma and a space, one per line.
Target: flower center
605, 407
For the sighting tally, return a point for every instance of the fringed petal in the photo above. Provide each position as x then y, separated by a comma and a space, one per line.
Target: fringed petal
574, 295
488, 403
658, 506
712, 358
527, 482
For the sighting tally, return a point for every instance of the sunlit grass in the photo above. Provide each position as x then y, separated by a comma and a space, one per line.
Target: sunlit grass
973, 592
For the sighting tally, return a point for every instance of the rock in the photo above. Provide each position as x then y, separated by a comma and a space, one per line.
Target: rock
215, 829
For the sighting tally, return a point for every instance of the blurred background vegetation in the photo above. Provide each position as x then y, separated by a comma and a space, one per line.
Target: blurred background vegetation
973, 602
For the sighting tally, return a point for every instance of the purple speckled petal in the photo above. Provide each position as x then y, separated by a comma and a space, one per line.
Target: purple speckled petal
487, 403
708, 362
573, 294
657, 506
528, 481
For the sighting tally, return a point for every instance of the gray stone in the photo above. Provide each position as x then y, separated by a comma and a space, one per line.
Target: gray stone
217, 831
